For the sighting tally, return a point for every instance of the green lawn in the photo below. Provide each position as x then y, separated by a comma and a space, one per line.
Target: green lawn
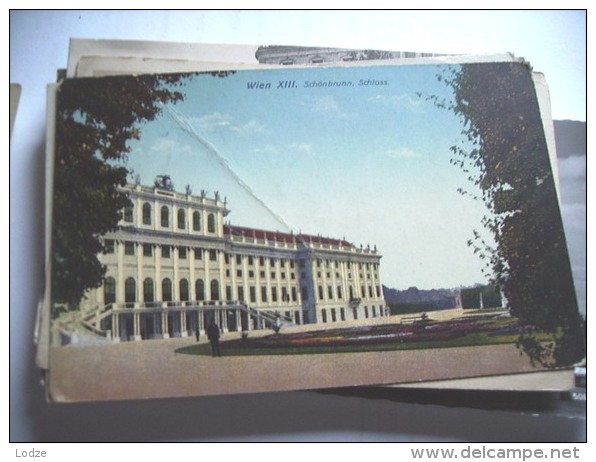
447, 334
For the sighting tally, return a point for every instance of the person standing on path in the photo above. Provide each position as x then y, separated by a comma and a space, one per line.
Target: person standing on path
213, 336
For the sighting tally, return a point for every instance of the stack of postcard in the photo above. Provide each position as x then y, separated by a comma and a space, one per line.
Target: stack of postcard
236, 219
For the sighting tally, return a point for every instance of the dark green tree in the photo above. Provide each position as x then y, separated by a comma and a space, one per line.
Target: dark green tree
95, 120
505, 154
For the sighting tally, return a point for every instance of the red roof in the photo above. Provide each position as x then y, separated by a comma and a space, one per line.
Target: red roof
283, 237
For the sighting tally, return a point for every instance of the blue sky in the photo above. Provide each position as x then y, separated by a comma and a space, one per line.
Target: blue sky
369, 163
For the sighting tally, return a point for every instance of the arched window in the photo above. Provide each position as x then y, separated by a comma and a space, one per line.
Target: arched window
211, 223
196, 221
184, 289
165, 217
181, 219
214, 289
128, 213
109, 290
148, 294
146, 213
130, 290
166, 290
200, 289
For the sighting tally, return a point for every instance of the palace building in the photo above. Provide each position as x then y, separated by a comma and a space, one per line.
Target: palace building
174, 264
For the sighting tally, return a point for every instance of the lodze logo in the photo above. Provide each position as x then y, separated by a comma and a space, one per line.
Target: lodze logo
32, 453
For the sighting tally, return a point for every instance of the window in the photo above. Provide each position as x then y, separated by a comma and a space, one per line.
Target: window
261, 261
165, 217
200, 289
228, 292
128, 213
250, 260
342, 314
370, 291
284, 294
239, 273
109, 290
333, 315
181, 219
165, 251
147, 250
324, 315
272, 274
166, 290
146, 213
184, 290
148, 295
320, 292
130, 290
262, 274
251, 274
240, 293
214, 289
129, 248
263, 294
339, 294
366, 311
273, 294
211, 223
304, 291
253, 294
198, 253
226, 259
330, 292
182, 253
294, 294
108, 246
213, 255
196, 221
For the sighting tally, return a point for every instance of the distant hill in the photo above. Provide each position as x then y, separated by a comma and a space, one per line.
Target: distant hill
570, 138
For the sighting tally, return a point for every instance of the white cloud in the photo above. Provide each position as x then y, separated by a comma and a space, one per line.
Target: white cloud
305, 148
326, 105
168, 145
219, 121
267, 149
212, 121
402, 153
292, 148
402, 101
249, 127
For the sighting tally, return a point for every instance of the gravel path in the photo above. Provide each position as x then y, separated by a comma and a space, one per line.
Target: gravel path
152, 369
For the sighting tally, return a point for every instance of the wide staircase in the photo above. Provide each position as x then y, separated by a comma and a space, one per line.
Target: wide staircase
92, 325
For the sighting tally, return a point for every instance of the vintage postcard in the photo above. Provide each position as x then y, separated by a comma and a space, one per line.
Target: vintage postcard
303, 228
